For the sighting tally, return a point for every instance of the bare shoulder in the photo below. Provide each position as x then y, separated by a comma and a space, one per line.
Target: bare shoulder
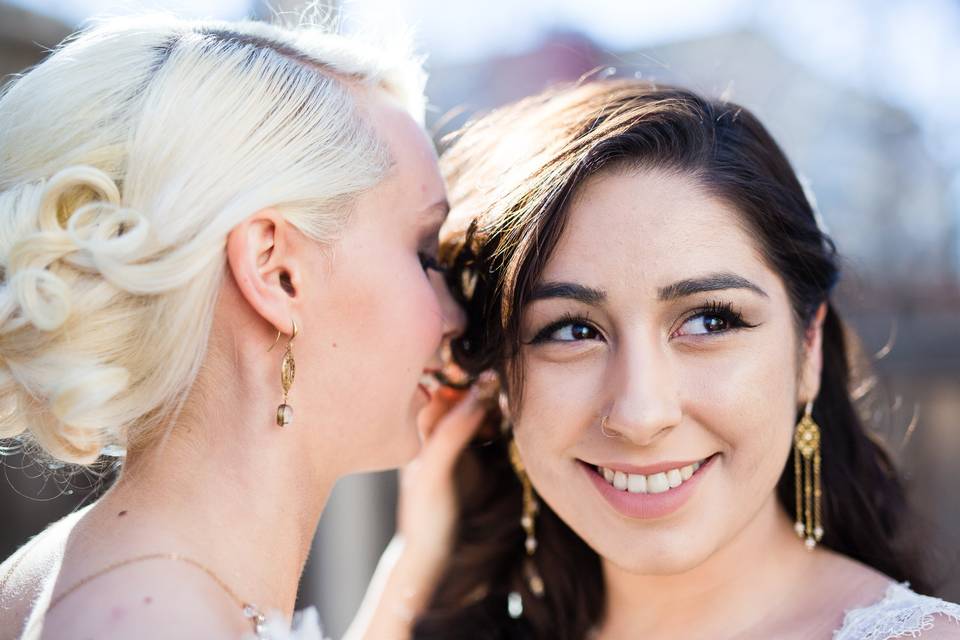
876, 601
847, 583
150, 600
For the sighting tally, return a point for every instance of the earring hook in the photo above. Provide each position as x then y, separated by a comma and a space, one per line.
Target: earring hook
292, 336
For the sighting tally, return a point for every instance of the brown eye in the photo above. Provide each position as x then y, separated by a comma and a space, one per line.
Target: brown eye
714, 323
702, 324
582, 332
716, 317
567, 331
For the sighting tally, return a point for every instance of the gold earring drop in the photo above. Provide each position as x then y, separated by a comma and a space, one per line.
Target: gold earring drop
806, 445
288, 370
528, 522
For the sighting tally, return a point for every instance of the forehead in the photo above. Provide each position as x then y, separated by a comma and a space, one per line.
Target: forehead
648, 229
414, 173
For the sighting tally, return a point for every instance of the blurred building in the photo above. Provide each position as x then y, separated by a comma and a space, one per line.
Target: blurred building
25, 37
883, 195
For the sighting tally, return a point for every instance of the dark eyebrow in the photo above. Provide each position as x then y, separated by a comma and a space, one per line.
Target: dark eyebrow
711, 282
579, 292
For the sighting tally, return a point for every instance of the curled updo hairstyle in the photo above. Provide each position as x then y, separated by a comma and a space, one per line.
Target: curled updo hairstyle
512, 176
126, 157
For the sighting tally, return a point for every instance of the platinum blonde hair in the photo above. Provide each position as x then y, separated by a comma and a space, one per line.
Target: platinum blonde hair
126, 157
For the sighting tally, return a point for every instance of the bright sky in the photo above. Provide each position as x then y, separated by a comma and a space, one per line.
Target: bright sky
75, 11
901, 50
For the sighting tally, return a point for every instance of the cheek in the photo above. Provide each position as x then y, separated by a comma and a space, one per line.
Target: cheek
403, 309
411, 329
424, 312
559, 398
745, 399
382, 325
559, 405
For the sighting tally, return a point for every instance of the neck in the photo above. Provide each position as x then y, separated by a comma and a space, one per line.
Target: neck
231, 490
717, 598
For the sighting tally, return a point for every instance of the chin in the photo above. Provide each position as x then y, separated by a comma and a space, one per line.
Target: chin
654, 557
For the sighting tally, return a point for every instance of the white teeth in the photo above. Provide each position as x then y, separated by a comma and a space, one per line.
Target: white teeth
636, 483
673, 477
430, 382
655, 483
620, 480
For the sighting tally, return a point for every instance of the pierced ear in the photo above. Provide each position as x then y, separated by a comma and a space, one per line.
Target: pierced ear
812, 355
261, 258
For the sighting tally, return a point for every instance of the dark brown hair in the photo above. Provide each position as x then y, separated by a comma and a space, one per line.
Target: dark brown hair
512, 175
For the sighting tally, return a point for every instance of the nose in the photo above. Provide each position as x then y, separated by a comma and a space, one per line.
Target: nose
646, 402
454, 318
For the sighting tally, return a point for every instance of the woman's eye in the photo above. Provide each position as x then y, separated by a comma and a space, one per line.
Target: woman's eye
704, 323
429, 263
572, 331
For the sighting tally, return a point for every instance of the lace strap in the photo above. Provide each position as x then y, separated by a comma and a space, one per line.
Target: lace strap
901, 613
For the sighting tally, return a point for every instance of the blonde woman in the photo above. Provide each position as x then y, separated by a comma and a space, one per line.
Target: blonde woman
218, 246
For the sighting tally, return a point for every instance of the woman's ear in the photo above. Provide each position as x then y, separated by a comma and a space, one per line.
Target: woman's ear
812, 354
261, 257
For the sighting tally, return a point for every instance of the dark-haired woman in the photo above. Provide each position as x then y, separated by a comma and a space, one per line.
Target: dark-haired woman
682, 456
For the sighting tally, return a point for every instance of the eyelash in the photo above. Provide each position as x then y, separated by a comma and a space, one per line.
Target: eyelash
428, 263
566, 319
724, 310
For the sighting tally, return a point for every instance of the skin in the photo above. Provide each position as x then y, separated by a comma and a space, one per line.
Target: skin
679, 384
230, 488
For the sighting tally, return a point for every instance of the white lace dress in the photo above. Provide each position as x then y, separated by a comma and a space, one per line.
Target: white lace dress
901, 613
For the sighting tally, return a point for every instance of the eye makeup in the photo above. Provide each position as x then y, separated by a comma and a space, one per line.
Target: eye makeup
730, 319
568, 319
721, 315
430, 263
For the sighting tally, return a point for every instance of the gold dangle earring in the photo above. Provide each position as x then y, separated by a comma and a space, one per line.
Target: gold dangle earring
528, 522
806, 445
288, 369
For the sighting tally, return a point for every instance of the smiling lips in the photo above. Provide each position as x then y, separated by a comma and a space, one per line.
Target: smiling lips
428, 383
652, 483
655, 494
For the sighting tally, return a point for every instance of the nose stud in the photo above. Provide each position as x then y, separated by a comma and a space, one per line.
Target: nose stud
609, 433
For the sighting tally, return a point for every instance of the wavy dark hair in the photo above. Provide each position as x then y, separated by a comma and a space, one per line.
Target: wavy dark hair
512, 175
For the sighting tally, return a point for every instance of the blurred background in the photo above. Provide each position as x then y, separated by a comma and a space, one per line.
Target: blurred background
859, 92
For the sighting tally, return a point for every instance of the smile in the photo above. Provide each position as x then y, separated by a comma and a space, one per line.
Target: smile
655, 494
653, 483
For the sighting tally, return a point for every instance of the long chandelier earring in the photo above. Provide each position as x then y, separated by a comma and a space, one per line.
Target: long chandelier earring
528, 522
809, 492
288, 369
